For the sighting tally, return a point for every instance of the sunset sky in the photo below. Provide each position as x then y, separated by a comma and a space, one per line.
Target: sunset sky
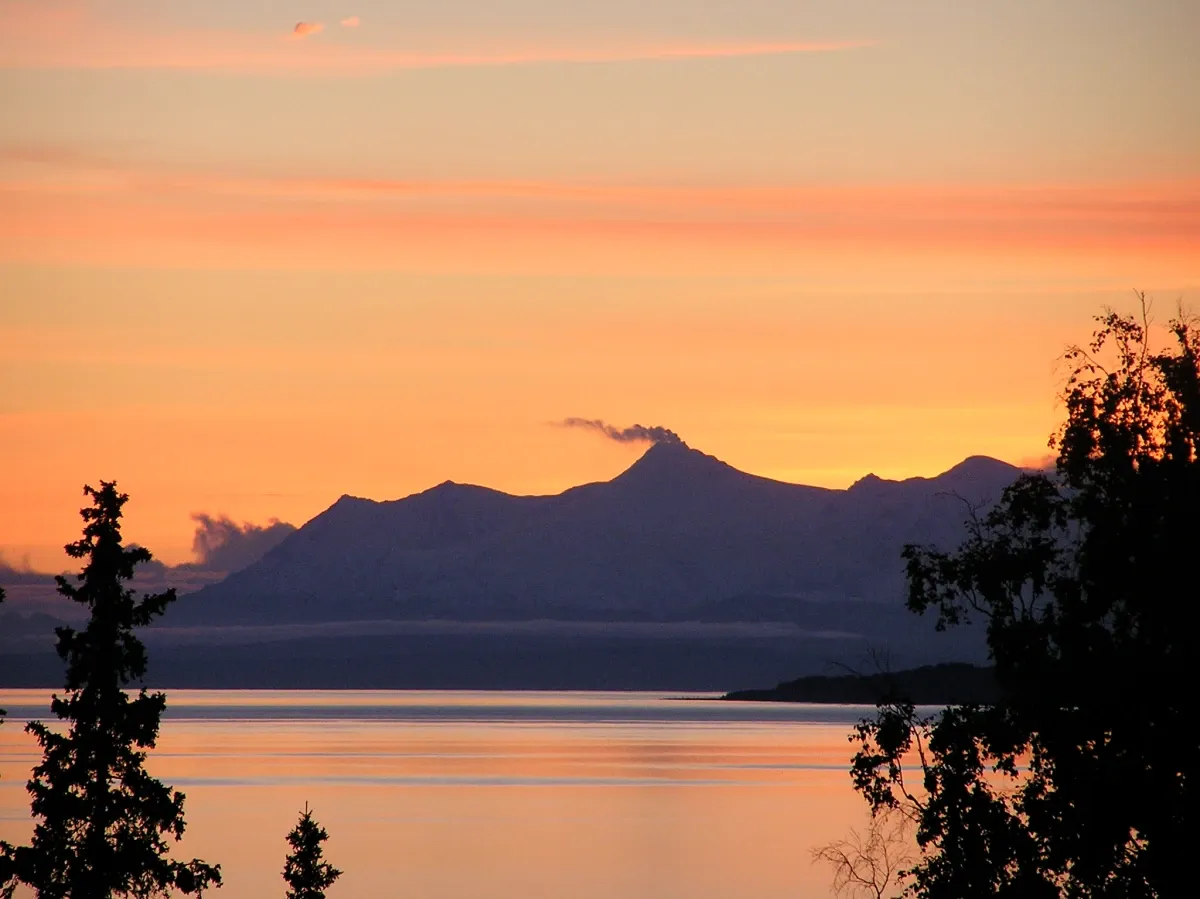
255, 255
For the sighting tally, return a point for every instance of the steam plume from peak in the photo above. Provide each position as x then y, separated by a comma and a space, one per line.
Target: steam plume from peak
632, 434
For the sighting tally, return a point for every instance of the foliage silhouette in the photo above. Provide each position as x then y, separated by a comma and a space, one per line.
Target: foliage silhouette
305, 870
1081, 780
103, 820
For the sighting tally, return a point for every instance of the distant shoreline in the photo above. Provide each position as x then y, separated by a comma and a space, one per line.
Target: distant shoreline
945, 684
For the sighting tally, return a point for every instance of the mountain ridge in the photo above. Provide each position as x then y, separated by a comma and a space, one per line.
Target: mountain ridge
672, 535
972, 466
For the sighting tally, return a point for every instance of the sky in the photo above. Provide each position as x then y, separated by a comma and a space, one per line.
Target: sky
255, 254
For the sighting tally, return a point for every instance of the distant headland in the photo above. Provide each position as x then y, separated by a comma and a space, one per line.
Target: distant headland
945, 684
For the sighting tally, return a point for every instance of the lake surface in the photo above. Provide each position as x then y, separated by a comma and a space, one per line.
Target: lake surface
456, 795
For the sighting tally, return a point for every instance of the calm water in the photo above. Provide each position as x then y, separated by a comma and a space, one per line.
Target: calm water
452, 795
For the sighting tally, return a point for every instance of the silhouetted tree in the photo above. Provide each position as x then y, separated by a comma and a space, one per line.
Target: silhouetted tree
2, 711
307, 873
1082, 780
102, 820
6, 874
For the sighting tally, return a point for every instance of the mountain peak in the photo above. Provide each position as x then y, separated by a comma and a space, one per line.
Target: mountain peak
868, 482
669, 449
671, 462
981, 467
972, 474
670, 452
455, 491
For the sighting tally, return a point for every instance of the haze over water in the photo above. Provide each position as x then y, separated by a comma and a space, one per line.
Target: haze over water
459, 794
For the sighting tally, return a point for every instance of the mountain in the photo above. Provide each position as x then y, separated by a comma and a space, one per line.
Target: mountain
679, 536
682, 573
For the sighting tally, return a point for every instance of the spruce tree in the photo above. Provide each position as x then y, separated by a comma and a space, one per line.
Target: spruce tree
307, 874
5, 862
2, 711
102, 822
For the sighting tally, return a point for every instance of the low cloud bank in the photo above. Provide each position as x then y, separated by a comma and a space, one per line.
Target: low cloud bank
221, 544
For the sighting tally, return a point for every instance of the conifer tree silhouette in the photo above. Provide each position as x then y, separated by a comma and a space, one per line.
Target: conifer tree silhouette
2, 711
102, 820
6, 874
307, 873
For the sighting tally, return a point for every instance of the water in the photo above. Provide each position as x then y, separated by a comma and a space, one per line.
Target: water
455, 795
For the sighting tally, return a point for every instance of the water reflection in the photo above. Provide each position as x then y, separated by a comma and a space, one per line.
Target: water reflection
510, 794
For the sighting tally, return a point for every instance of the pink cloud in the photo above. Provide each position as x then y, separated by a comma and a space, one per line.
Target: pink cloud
304, 29
33, 36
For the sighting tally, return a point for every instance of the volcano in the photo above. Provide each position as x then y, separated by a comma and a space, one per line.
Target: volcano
679, 536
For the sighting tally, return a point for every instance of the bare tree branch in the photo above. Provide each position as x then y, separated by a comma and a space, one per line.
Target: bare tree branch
871, 864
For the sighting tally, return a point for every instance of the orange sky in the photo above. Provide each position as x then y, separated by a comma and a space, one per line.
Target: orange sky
245, 271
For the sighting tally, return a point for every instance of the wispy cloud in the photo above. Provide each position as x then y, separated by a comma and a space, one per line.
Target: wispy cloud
76, 38
1123, 209
65, 204
304, 29
614, 53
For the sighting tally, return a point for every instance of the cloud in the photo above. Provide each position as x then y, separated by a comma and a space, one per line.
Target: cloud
632, 434
37, 37
929, 237
83, 204
304, 29
19, 573
1042, 463
220, 544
